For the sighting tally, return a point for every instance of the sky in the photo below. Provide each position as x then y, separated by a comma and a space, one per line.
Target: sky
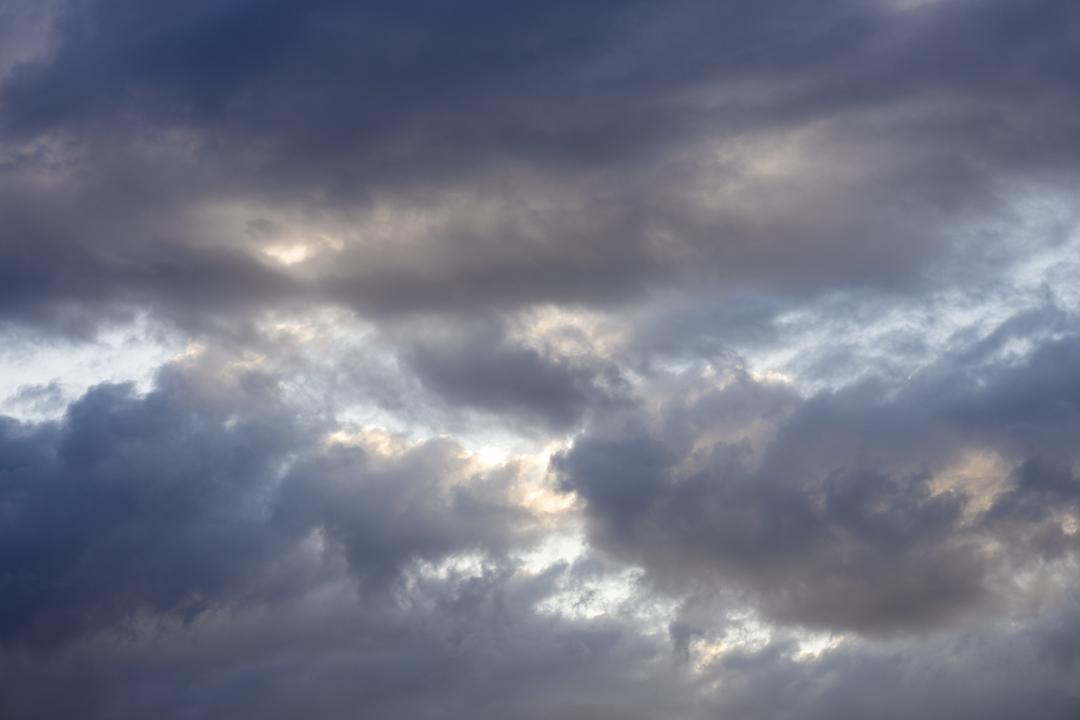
704, 359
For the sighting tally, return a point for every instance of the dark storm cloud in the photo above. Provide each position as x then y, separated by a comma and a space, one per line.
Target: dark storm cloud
618, 146
200, 549
130, 503
824, 511
197, 494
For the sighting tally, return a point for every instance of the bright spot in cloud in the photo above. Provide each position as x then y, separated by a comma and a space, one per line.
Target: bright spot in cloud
289, 254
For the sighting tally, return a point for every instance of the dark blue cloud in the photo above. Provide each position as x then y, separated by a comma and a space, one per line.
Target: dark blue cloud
192, 497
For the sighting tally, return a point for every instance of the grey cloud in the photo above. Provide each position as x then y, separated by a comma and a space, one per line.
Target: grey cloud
473, 644
468, 644
127, 504
619, 147
42, 399
197, 495
541, 221
824, 511
997, 674
477, 364
388, 512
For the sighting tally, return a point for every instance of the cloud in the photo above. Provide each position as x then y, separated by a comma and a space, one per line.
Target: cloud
848, 510
197, 494
471, 644
995, 675
477, 159
479, 364
590, 360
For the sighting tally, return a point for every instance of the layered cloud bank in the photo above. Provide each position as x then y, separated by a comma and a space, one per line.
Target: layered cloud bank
616, 359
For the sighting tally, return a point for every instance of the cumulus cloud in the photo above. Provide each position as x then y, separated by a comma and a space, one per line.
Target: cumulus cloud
849, 510
194, 495
609, 359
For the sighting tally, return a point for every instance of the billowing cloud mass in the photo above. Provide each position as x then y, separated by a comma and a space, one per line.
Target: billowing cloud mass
620, 359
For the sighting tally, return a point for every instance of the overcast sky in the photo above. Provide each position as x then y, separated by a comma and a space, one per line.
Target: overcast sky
432, 359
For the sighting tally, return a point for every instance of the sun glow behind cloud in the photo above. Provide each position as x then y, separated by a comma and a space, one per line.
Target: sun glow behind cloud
631, 360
